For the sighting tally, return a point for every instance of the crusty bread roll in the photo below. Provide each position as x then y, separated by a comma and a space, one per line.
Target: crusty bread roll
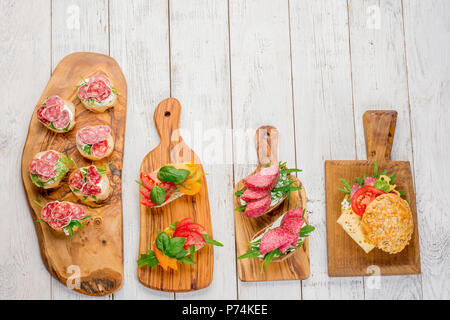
57, 114
110, 141
95, 142
88, 189
48, 168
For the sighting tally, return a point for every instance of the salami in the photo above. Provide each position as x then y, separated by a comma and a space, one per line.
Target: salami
92, 134
59, 214
76, 180
258, 207
92, 175
58, 224
53, 109
295, 213
62, 211
263, 180
46, 212
90, 189
251, 195
41, 117
45, 169
63, 120
78, 212
100, 149
51, 157
97, 88
274, 239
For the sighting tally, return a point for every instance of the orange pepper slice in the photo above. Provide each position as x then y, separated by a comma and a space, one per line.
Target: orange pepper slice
165, 261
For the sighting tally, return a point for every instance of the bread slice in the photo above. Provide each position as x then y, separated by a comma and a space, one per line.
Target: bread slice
86, 155
99, 198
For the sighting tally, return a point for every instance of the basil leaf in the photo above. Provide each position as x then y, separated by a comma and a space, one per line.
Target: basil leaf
163, 241
172, 174
173, 225
148, 259
158, 195
176, 249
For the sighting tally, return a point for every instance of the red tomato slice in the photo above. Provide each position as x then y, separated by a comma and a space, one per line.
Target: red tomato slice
192, 238
147, 203
146, 193
183, 222
147, 181
363, 197
192, 227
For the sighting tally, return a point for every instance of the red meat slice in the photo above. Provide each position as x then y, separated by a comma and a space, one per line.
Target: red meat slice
51, 157
76, 180
93, 175
294, 225
41, 117
63, 120
54, 101
92, 134
263, 180
52, 113
251, 195
296, 213
45, 169
97, 88
101, 78
258, 207
78, 212
100, 149
90, 189
58, 224
46, 212
62, 211
284, 247
274, 239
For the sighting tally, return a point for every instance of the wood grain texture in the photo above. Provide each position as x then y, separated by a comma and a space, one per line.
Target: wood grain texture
172, 149
296, 266
427, 47
26, 68
345, 258
96, 248
200, 74
380, 82
322, 93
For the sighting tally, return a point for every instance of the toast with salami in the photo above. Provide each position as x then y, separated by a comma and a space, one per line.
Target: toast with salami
95, 142
97, 93
279, 240
90, 184
48, 168
265, 190
57, 114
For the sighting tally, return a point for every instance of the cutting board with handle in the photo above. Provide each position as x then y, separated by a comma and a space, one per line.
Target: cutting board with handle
92, 261
294, 267
172, 149
345, 257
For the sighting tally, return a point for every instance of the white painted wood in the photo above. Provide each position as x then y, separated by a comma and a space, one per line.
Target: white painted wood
80, 25
380, 82
427, 35
25, 68
323, 124
261, 95
140, 44
201, 81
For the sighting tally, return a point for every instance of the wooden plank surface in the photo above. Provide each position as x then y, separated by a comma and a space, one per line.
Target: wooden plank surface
96, 249
429, 93
314, 50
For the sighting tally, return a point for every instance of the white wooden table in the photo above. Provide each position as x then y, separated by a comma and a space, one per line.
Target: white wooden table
310, 68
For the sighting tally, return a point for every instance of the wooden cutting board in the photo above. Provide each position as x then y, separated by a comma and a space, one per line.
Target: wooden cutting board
293, 268
345, 257
97, 247
172, 149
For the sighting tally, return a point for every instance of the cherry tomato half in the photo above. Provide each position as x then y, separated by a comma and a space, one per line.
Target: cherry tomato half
363, 197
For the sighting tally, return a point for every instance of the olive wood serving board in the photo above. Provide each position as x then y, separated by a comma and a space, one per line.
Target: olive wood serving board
96, 249
172, 149
345, 257
296, 266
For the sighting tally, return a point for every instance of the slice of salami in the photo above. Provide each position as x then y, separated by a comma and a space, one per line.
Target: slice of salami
58, 224
62, 211
101, 78
51, 157
33, 165
45, 169
63, 120
82, 91
274, 239
78, 212
90, 189
54, 101
251, 195
76, 180
46, 212
103, 132
92, 134
41, 117
98, 90
51, 113
100, 149
92, 175
295, 213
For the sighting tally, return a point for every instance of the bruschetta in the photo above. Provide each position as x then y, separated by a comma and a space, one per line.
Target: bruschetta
95, 142
279, 240
66, 217
177, 244
266, 189
90, 184
169, 183
97, 93
48, 168
57, 114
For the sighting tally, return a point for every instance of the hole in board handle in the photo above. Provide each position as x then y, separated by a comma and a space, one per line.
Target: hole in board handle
167, 114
